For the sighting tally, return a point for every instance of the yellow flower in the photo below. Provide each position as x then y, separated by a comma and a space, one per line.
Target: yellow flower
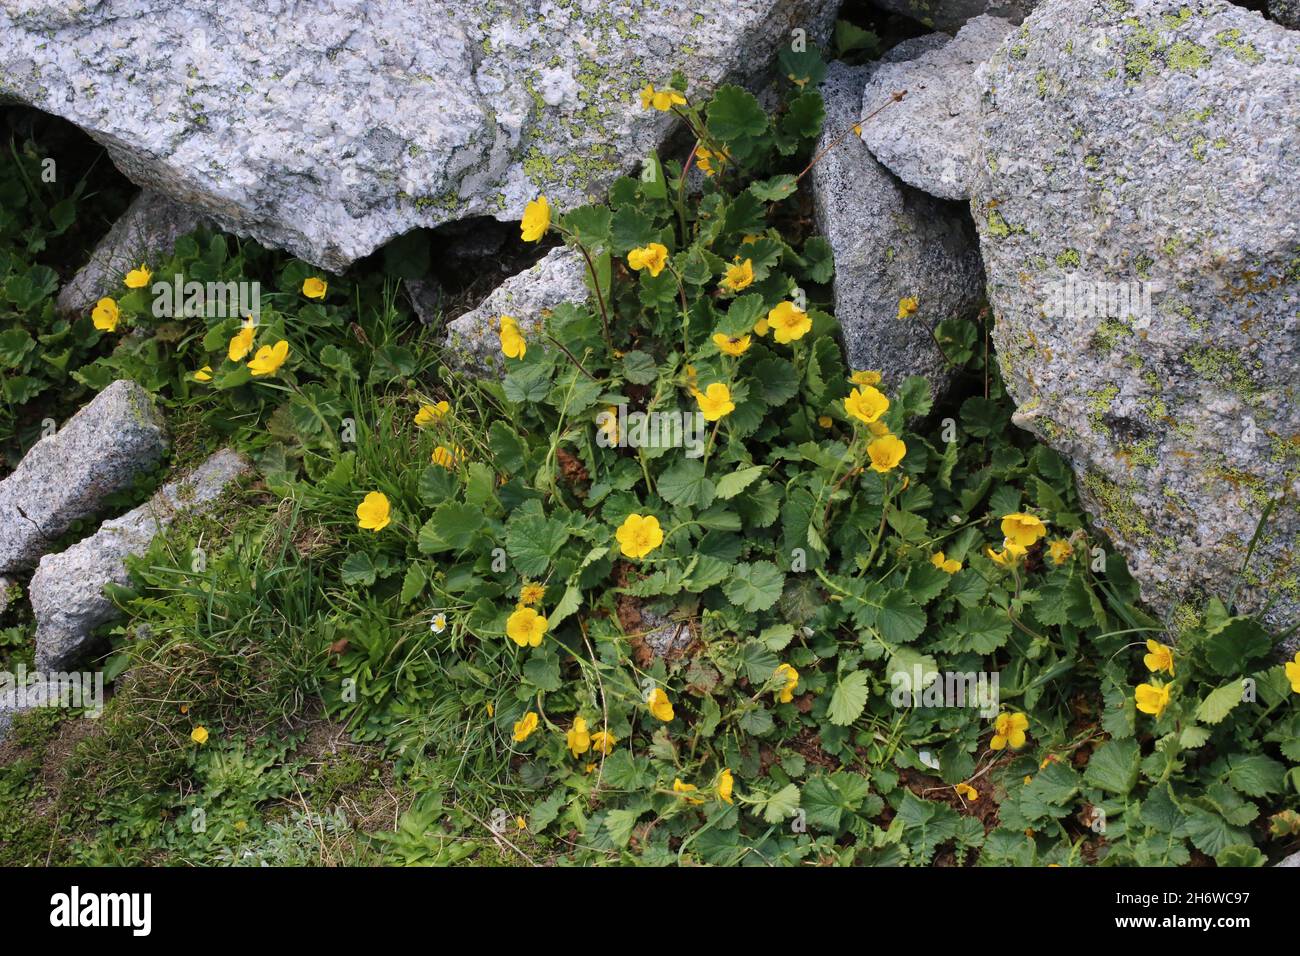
512, 340
269, 358
825, 421
726, 783
204, 374
739, 276
660, 705
788, 323
138, 278
761, 327
578, 739
1159, 658
444, 456
785, 672
684, 788
526, 627
729, 346
428, 414
531, 593
1060, 551
603, 741
704, 159
1009, 730
1292, 670
525, 727
241, 343
879, 429
1023, 529
866, 404
715, 402
865, 378
1009, 554
106, 315
199, 735
945, 564
537, 219
885, 453
1152, 698
662, 100
314, 288
967, 791
638, 536
653, 257
374, 513
610, 427
906, 307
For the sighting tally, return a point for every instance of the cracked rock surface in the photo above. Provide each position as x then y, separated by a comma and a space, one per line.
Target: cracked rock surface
1137, 199
67, 590
330, 128
117, 437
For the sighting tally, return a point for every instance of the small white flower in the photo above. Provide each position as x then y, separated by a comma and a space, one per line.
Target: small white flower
438, 624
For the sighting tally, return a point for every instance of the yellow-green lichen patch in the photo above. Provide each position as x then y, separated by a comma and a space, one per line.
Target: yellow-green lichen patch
1099, 402
1116, 507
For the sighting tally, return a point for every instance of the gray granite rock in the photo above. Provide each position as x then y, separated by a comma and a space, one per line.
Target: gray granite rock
1287, 13
117, 437
329, 128
1139, 211
949, 15
927, 139
472, 340
890, 242
663, 635
67, 590
149, 228
8, 589
1292, 860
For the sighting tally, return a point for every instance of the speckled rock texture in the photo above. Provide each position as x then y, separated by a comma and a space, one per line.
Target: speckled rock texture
1287, 13
329, 128
149, 228
1155, 145
8, 590
890, 242
927, 139
104, 448
67, 590
949, 15
472, 341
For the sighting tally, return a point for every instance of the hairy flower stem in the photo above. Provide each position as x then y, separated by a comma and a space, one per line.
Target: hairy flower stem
894, 98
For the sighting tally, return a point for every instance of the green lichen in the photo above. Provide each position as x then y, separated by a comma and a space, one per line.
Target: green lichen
1243, 50
1068, 259
1223, 367
1099, 402
1116, 507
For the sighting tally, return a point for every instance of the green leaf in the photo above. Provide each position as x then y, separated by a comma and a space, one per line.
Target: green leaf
781, 805
456, 524
756, 586
1114, 766
1219, 703
687, 485
733, 484
735, 116
849, 699
590, 225
1255, 775
639, 368
776, 188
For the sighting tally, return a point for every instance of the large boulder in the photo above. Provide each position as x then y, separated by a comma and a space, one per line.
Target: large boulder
927, 139
329, 128
949, 15
67, 590
1138, 202
1287, 13
117, 438
890, 242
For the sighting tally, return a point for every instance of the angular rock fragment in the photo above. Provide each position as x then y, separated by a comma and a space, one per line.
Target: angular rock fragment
927, 139
890, 242
116, 438
149, 228
67, 590
558, 277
